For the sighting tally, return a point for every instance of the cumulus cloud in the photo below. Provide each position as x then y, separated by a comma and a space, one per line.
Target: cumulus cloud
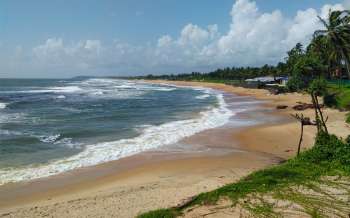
54, 48
254, 38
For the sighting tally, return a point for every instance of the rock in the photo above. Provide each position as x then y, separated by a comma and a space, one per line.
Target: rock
281, 107
304, 106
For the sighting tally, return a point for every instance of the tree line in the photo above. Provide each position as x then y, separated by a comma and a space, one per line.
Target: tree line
327, 56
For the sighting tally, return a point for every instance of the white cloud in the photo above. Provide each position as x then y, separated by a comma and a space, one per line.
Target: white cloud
164, 41
51, 48
54, 52
254, 38
193, 35
92, 45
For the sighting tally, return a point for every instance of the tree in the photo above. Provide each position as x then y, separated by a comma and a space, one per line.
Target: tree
319, 48
337, 34
318, 87
305, 68
304, 121
293, 56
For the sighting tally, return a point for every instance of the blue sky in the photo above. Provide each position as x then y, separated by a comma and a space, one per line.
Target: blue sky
43, 38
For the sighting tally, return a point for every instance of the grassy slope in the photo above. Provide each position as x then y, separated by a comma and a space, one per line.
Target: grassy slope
341, 95
329, 157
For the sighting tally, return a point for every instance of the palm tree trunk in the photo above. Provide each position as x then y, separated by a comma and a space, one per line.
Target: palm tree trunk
321, 115
347, 68
346, 63
316, 113
301, 137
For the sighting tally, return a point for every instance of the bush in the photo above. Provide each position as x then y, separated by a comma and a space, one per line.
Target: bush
318, 86
331, 150
296, 83
348, 118
161, 213
339, 97
330, 100
348, 140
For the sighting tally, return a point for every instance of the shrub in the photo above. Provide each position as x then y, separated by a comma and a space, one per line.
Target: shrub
330, 150
318, 86
161, 213
295, 83
330, 100
348, 118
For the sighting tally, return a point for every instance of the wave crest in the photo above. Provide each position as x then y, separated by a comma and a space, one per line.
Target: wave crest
3, 105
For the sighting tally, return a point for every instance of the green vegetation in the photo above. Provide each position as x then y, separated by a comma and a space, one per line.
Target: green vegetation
348, 118
336, 38
312, 169
226, 75
338, 96
163, 213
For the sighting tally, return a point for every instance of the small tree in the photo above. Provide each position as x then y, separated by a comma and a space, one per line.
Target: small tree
318, 87
304, 121
306, 68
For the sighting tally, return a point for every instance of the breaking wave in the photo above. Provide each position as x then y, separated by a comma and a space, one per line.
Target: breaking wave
151, 137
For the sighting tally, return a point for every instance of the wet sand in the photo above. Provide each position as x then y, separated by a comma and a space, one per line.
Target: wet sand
165, 178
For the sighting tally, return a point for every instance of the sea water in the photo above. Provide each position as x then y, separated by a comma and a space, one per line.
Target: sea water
52, 126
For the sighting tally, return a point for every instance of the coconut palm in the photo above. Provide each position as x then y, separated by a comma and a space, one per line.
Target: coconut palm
337, 33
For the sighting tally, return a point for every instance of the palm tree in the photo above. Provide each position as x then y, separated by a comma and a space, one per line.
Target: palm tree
337, 33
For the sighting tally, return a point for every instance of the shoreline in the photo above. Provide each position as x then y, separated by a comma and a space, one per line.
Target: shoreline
143, 187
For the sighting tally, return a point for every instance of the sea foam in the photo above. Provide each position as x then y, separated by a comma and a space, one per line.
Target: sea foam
202, 96
152, 137
2, 105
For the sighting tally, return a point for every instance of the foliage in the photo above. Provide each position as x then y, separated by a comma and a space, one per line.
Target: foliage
348, 118
337, 36
225, 74
161, 213
338, 96
329, 150
293, 57
318, 86
330, 100
296, 83
303, 66
319, 47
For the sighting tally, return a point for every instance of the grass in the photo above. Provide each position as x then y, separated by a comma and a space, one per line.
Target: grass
329, 157
347, 118
339, 96
163, 213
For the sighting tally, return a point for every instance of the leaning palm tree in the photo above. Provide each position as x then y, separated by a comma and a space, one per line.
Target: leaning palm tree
337, 33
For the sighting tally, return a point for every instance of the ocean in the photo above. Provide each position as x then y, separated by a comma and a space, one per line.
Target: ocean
49, 127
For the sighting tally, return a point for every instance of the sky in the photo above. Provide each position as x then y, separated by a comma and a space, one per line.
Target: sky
64, 38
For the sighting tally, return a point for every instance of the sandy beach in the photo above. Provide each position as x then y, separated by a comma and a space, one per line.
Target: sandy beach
158, 179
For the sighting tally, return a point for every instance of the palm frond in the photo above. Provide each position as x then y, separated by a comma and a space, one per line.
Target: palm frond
323, 22
318, 33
